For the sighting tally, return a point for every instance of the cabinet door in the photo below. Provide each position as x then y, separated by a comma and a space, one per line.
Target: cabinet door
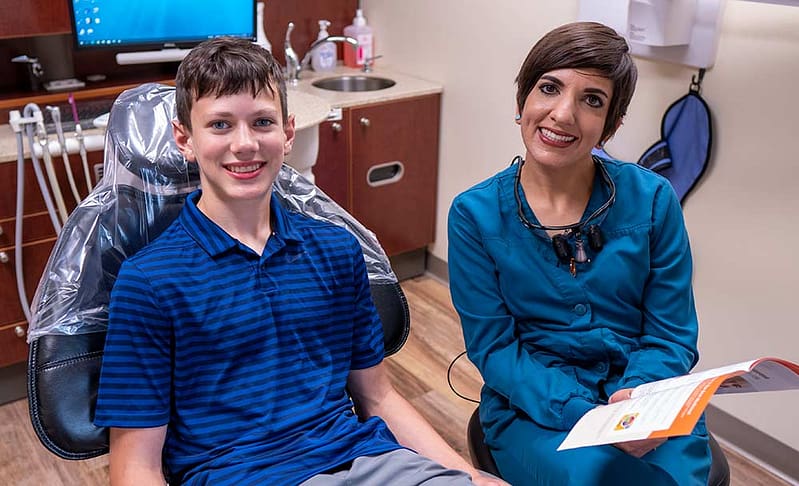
332, 169
394, 171
33, 17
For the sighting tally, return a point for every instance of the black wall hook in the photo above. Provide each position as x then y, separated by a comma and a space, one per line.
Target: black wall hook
696, 82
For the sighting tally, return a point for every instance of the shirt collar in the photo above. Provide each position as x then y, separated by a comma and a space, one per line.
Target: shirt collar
214, 240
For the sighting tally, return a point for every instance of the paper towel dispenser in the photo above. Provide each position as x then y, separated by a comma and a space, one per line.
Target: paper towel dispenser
681, 31
661, 22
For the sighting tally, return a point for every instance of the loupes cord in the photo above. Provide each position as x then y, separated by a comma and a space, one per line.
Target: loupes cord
55, 114
449, 380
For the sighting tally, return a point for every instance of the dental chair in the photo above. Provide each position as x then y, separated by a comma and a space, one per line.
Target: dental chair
482, 458
144, 185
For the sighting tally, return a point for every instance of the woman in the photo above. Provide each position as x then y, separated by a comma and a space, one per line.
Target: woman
572, 276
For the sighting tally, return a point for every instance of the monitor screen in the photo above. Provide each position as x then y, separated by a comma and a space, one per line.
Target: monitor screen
158, 23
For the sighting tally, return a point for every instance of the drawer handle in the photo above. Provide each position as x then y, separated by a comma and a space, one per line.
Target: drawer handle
365, 122
3, 257
336, 127
382, 174
1, 230
20, 331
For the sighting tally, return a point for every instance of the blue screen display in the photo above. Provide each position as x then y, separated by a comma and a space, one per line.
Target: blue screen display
120, 23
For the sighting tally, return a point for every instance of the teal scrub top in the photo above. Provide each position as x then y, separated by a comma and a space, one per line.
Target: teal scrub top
554, 345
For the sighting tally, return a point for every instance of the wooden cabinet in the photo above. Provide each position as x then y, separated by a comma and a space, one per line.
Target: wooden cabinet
381, 164
38, 239
33, 17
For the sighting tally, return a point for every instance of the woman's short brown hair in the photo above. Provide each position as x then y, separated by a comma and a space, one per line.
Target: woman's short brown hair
586, 45
226, 66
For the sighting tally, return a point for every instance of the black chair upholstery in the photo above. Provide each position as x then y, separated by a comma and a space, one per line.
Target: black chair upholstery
64, 367
482, 458
64, 371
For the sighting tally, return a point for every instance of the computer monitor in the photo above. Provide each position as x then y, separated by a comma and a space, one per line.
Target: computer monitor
164, 29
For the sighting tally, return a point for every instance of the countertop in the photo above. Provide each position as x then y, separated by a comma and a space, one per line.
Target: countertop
310, 105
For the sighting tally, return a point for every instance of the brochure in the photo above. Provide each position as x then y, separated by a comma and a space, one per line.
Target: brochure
671, 407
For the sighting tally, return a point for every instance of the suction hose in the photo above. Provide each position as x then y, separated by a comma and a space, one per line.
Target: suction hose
23, 296
32, 110
55, 114
81, 143
41, 136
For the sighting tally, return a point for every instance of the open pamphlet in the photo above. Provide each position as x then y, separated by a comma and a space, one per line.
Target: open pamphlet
672, 406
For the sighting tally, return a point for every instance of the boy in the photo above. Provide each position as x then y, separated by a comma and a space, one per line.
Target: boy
235, 337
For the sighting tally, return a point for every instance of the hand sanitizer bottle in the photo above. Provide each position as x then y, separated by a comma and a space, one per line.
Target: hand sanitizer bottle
324, 56
363, 34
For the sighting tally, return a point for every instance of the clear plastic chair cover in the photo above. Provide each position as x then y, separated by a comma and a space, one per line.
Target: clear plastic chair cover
145, 182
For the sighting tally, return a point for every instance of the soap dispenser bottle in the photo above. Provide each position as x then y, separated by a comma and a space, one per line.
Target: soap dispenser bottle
323, 58
363, 34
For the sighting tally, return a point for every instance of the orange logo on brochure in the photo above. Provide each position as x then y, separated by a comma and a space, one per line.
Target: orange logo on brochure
626, 421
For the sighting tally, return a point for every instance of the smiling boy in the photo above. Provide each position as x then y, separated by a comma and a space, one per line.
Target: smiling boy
240, 339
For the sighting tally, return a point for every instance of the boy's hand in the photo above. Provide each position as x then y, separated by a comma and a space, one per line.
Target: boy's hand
636, 448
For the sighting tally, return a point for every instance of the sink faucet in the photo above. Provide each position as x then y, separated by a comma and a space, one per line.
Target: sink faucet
293, 64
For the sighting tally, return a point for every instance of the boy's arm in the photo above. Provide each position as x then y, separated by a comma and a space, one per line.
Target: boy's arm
374, 395
135, 457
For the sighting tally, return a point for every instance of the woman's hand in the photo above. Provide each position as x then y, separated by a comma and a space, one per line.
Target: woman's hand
483, 479
636, 448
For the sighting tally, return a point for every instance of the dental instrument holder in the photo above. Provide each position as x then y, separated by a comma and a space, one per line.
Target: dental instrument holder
35, 70
16, 120
293, 64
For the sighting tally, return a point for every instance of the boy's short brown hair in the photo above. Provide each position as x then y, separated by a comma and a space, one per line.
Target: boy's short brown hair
587, 45
226, 66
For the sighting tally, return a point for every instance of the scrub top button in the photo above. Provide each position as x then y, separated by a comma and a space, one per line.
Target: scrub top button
580, 309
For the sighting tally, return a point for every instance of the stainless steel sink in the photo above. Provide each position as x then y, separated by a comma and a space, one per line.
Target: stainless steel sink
354, 83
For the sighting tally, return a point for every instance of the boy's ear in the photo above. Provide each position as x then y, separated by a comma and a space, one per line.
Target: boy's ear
289, 130
183, 140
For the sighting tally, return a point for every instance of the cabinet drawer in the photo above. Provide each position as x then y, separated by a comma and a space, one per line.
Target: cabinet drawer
34, 259
33, 201
13, 346
35, 227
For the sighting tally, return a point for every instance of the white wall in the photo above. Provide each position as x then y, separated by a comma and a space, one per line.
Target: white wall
742, 219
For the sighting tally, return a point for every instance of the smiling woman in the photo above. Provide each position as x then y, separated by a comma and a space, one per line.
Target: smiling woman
556, 333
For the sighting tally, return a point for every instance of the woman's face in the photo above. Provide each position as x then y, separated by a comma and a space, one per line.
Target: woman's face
564, 116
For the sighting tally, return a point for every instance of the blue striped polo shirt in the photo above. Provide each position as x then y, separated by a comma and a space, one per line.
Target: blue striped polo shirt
245, 357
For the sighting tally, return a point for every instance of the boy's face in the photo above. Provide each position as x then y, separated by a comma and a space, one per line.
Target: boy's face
239, 143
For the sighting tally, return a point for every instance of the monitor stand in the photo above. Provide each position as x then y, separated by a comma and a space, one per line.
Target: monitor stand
146, 57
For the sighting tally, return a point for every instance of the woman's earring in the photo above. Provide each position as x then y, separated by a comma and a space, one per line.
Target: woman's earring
518, 118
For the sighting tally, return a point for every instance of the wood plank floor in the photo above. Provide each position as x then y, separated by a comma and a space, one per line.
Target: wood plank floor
418, 371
